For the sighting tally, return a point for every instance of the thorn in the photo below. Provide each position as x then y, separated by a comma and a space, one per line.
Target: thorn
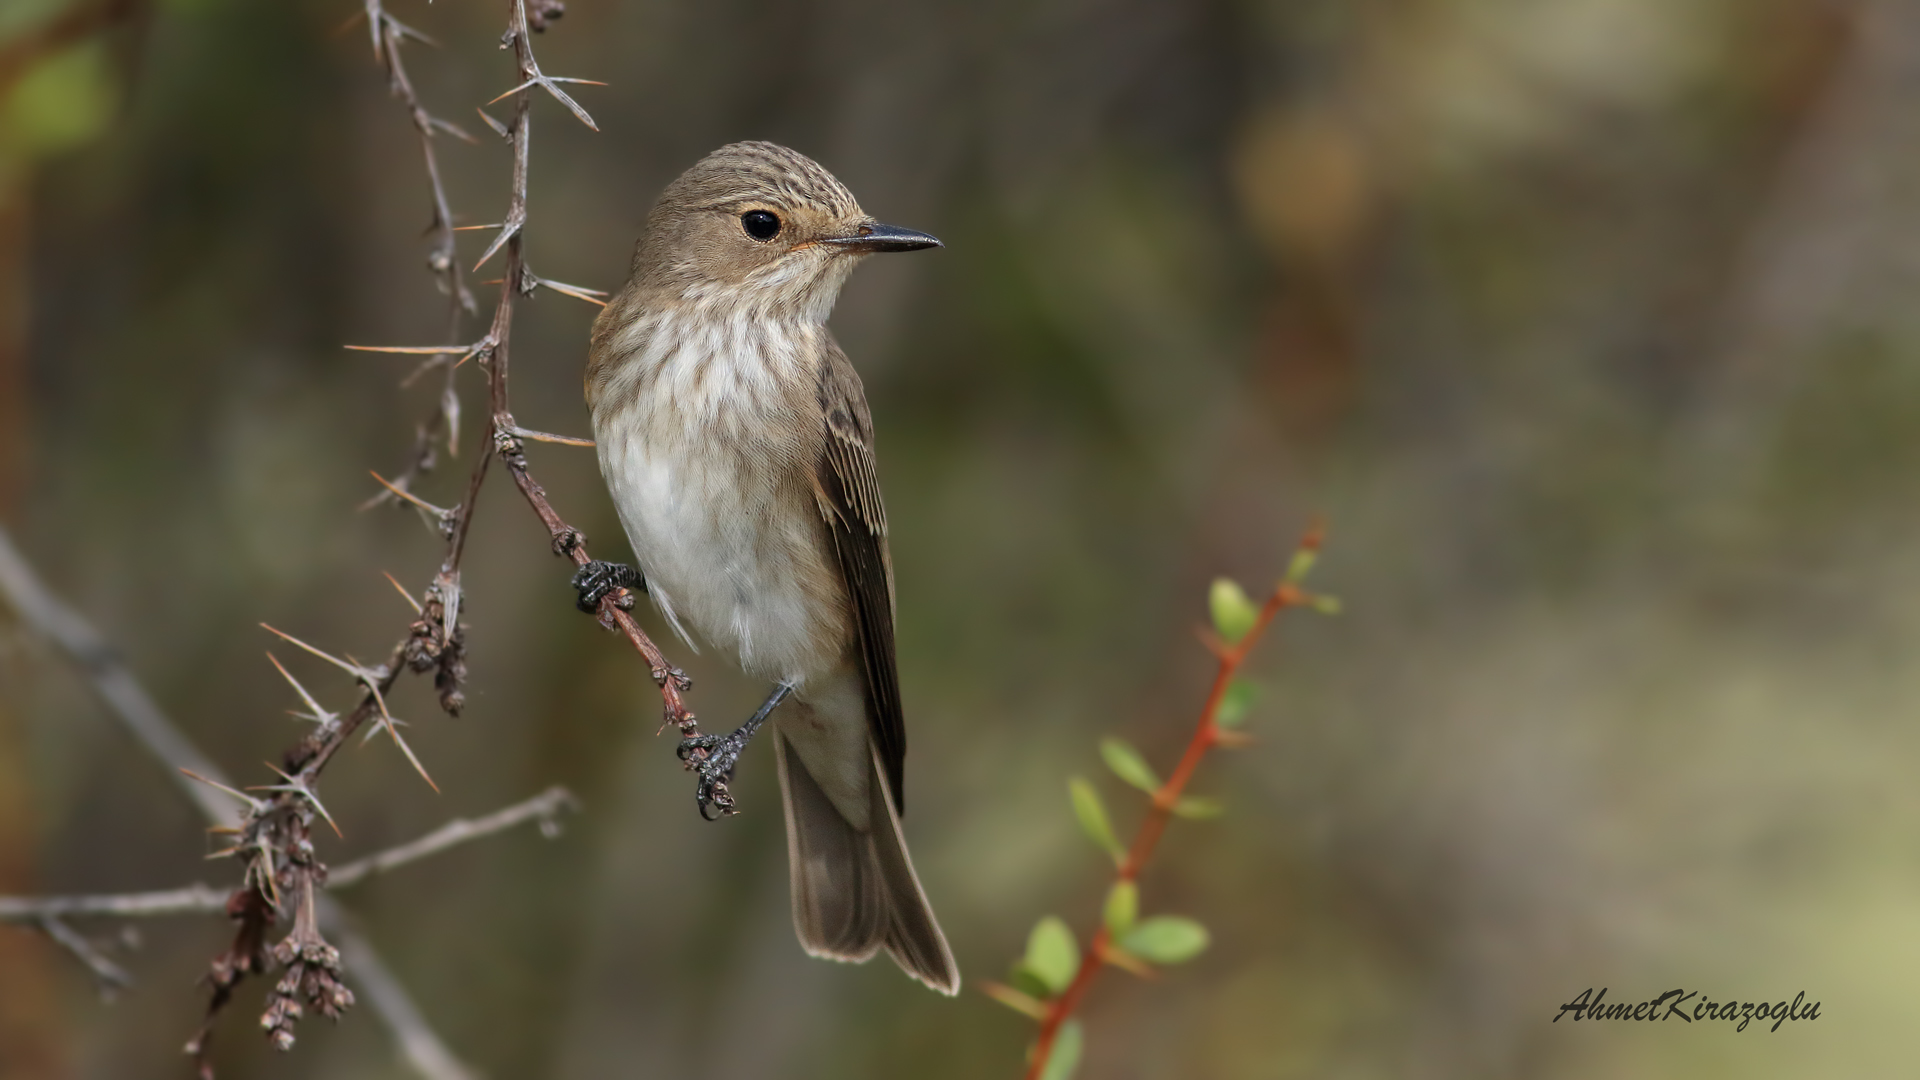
319, 715
394, 731
514, 91
507, 232
355, 670
452, 129
404, 594
591, 296
252, 803
410, 497
300, 788
561, 96
415, 350
498, 128
541, 436
376, 728
474, 228
406, 31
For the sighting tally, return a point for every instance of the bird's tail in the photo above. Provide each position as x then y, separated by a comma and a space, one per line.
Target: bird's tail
855, 891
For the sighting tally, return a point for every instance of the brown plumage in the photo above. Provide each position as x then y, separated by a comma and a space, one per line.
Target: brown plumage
735, 438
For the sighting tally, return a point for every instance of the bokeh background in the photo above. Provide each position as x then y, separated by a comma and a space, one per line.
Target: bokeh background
1588, 324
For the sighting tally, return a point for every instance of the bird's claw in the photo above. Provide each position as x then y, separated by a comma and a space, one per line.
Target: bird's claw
596, 579
713, 758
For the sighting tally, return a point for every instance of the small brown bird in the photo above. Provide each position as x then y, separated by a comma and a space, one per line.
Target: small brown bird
735, 439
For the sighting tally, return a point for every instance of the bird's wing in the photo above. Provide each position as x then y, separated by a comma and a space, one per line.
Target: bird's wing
849, 496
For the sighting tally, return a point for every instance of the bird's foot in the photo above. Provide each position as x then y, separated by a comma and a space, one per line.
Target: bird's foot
714, 756
596, 579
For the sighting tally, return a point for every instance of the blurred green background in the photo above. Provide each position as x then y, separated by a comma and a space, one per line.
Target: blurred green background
1589, 325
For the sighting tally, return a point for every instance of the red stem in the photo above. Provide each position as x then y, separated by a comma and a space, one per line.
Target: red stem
1206, 735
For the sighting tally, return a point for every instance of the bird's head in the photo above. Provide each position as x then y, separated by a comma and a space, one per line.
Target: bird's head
757, 226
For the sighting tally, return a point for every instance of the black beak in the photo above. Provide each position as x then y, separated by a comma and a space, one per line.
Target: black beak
877, 237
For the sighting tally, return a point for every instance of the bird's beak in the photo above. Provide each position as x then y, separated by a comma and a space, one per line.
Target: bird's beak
877, 237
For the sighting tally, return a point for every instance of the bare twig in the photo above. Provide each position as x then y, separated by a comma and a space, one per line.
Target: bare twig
544, 808
195, 899
111, 976
391, 1002
200, 899
46, 614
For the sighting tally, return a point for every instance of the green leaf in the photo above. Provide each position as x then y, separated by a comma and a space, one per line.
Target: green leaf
1199, 807
1234, 704
1068, 1043
1302, 565
1026, 982
1052, 954
1166, 939
1093, 817
1128, 765
1327, 605
1233, 613
1123, 906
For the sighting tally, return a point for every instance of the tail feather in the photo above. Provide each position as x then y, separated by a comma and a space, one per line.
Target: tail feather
855, 892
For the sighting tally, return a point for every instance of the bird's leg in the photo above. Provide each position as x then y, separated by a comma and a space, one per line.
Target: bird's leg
714, 756
596, 579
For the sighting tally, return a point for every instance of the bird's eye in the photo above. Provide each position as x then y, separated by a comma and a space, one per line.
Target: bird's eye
760, 224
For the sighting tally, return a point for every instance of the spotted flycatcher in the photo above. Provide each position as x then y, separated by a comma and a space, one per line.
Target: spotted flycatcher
735, 439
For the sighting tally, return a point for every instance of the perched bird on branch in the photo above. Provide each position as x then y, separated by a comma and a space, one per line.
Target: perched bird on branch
735, 439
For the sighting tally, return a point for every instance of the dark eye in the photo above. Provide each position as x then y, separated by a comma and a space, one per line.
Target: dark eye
760, 224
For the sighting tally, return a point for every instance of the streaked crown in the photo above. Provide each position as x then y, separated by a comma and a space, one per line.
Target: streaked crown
747, 172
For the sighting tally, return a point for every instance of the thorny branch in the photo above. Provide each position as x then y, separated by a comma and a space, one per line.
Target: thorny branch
388, 35
129, 702
504, 435
271, 833
274, 836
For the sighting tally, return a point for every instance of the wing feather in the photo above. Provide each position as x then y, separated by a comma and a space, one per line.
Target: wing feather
849, 495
